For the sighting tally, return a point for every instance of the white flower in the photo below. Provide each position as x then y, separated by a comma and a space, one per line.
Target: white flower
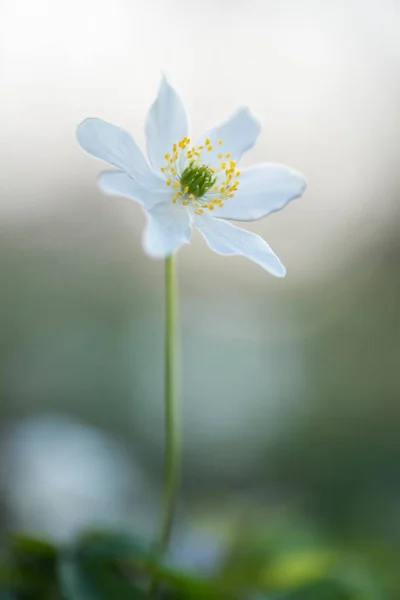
198, 184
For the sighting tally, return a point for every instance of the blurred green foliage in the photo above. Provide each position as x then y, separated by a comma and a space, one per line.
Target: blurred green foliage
258, 566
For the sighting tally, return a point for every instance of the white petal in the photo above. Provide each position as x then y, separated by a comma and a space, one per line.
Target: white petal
118, 183
117, 147
263, 189
169, 226
226, 239
166, 124
238, 134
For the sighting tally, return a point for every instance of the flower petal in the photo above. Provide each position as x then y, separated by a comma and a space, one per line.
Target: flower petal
226, 239
238, 134
117, 147
166, 124
263, 189
169, 226
118, 183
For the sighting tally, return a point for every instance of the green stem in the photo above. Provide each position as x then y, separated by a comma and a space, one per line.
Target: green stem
172, 429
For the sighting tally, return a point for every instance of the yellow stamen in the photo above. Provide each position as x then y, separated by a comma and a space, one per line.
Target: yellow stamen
228, 176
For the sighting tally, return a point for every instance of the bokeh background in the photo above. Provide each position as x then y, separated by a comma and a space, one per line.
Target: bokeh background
291, 399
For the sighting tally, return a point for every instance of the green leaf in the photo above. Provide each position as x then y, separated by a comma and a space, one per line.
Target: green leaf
296, 569
31, 569
184, 586
323, 590
92, 580
104, 566
91, 571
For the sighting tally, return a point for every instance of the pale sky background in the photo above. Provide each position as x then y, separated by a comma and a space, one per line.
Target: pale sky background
323, 78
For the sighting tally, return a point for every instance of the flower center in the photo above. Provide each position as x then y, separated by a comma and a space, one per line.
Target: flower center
196, 183
196, 179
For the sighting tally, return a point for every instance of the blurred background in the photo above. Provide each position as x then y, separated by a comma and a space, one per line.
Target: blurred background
291, 394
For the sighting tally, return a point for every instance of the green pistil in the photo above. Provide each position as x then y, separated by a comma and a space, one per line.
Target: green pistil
198, 179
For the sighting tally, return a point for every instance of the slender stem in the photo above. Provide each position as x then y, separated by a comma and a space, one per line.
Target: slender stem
172, 429
172, 426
